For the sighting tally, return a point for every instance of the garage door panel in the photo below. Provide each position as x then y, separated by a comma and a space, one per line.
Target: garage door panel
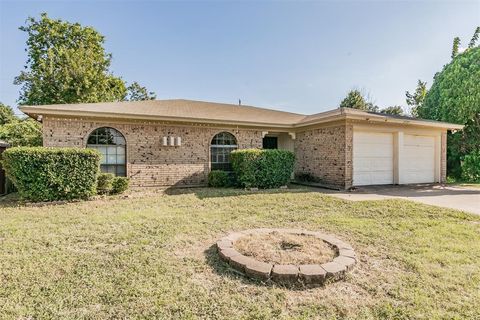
372, 158
419, 159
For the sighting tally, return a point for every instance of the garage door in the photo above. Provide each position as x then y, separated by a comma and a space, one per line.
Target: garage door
418, 159
372, 158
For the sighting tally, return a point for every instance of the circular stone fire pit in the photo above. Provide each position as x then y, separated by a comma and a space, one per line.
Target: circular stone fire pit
316, 270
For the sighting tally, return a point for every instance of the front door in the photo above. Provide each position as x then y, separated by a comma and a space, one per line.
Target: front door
270, 143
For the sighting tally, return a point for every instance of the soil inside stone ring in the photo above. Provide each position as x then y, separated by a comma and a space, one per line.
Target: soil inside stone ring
285, 248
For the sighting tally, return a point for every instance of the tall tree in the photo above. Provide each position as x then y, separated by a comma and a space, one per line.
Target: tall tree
135, 92
356, 100
474, 39
67, 63
455, 47
6, 114
415, 99
455, 97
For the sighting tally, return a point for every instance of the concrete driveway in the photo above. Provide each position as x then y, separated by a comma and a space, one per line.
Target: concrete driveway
455, 197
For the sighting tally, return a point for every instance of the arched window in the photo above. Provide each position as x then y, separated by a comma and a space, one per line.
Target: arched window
222, 144
111, 144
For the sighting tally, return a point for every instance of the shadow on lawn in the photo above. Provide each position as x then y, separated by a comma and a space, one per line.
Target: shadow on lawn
204, 192
222, 268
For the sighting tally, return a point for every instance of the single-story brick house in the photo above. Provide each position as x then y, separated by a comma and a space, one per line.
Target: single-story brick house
177, 142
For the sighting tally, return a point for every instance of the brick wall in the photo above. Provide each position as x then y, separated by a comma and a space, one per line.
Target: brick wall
326, 154
443, 158
149, 163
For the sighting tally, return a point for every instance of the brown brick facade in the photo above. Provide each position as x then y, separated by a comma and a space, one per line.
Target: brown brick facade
443, 158
326, 153
149, 163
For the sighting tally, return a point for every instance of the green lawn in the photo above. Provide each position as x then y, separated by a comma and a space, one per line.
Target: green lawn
151, 256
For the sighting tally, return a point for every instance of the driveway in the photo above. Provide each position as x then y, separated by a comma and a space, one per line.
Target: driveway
455, 197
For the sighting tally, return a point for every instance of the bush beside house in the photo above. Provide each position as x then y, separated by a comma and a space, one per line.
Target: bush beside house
262, 168
47, 174
471, 167
107, 183
220, 179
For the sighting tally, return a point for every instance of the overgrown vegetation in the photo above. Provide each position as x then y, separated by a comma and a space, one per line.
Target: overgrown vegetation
18, 132
47, 174
262, 168
455, 97
153, 258
471, 167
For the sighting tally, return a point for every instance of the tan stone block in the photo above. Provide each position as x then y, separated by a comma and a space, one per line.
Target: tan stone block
312, 274
285, 273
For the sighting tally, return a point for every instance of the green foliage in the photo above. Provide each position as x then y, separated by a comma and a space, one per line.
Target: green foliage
26, 132
219, 179
135, 92
395, 110
356, 100
471, 167
415, 100
262, 168
455, 97
455, 92
474, 39
455, 47
6, 114
105, 183
46, 174
120, 185
67, 63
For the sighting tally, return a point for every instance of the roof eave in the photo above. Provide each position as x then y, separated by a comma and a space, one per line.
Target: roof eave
39, 111
414, 122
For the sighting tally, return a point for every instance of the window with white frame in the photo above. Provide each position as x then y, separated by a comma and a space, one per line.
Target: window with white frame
222, 144
112, 145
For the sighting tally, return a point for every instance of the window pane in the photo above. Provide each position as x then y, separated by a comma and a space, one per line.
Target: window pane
111, 159
111, 144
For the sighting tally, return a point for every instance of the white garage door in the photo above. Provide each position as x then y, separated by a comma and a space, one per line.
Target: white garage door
418, 159
372, 158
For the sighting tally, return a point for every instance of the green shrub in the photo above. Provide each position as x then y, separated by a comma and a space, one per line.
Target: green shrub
47, 174
262, 168
471, 167
105, 183
219, 179
120, 185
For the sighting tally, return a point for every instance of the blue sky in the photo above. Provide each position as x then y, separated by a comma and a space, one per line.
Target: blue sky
295, 56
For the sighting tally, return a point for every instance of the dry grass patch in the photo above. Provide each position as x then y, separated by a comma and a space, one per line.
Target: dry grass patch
285, 248
152, 256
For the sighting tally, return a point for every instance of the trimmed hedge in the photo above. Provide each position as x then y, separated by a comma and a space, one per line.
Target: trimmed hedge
219, 179
262, 168
47, 174
105, 183
120, 185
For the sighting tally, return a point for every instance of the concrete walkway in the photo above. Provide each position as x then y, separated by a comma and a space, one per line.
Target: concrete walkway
455, 197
